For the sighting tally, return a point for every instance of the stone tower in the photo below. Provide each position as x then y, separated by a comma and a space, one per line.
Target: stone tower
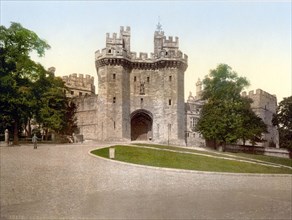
199, 89
141, 97
264, 105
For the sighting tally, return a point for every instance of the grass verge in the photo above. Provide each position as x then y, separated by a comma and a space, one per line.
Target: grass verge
249, 157
158, 158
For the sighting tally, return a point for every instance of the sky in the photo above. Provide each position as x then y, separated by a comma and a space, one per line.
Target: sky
252, 37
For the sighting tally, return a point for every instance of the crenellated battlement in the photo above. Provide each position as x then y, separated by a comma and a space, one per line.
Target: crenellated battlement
260, 93
125, 30
74, 77
262, 100
79, 84
118, 47
170, 43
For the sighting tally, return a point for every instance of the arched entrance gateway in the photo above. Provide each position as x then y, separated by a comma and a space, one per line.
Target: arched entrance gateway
141, 125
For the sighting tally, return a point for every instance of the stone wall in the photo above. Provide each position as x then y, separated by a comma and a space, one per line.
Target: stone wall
79, 85
87, 117
192, 115
264, 105
285, 153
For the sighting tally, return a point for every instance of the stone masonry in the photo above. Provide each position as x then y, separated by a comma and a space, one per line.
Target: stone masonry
265, 105
140, 97
79, 85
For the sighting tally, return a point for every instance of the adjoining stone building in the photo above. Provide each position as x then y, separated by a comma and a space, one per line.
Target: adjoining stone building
79, 85
264, 105
193, 108
141, 97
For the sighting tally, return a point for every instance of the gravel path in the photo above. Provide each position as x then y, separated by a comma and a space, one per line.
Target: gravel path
64, 182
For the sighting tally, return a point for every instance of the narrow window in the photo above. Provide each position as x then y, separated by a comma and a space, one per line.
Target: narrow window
170, 78
166, 53
169, 101
135, 78
114, 99
80, 93
148, 79
114, 125
114, 76
72, 92
109, 50
142, 100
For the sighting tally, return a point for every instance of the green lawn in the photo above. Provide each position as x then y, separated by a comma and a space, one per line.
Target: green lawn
251, 157
158, 158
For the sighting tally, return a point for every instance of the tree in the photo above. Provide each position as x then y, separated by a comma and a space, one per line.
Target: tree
55, 112
283, 120
251, 126
28, 91
227, 117
17, 72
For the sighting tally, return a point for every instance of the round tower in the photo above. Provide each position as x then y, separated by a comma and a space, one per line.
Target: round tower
198, 89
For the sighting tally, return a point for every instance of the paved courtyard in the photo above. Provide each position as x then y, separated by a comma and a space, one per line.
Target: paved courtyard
64, 182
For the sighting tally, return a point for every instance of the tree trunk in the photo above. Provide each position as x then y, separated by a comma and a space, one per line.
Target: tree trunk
29, 128
15, 133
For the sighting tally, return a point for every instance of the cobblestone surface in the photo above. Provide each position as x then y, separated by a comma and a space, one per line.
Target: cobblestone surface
64, 182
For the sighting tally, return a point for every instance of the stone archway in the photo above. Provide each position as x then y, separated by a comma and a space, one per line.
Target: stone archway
141, 125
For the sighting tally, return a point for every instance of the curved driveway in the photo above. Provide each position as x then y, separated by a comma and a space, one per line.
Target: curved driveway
64, 182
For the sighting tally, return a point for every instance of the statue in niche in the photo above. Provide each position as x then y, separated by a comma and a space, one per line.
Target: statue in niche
142, 88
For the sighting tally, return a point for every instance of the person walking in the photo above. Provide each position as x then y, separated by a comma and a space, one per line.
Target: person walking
34, 141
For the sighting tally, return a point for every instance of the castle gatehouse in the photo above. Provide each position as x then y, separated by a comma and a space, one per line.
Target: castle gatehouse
140, 96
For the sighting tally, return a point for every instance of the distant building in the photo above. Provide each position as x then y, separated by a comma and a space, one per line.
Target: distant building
193, 108
264, 105
79, 85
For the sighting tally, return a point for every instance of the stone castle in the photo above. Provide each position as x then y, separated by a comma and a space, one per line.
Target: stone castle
141, 97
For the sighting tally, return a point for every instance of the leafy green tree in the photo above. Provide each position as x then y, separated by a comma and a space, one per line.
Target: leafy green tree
70, 122
227, 117
17, 72
251, 126
28, 91
55, 111
283, 120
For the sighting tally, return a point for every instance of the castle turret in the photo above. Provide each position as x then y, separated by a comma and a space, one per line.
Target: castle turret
52, 70
199, 89
158, 40
126, 37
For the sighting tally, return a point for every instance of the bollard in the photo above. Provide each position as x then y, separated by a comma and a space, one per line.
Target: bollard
112, 153
7, 137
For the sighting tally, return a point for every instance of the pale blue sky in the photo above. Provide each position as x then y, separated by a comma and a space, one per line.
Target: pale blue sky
254, 38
